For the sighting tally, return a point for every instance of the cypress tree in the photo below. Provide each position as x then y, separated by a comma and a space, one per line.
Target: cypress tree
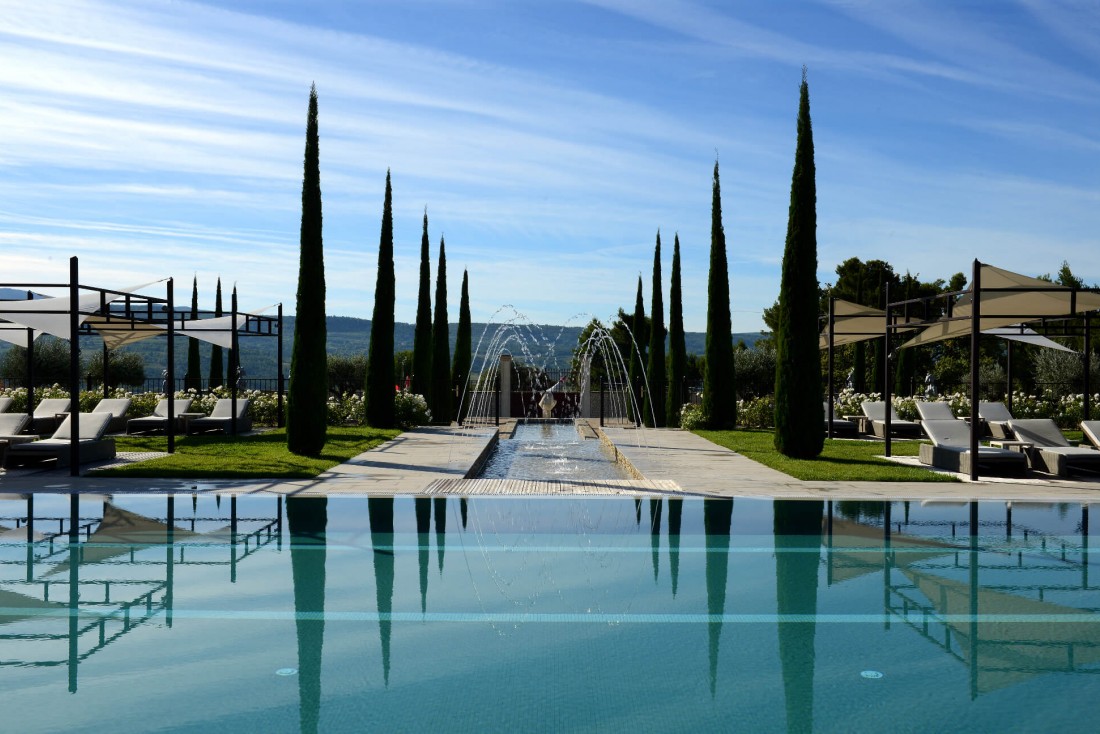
719, 397
379, 389
460, 370
677, 357
441, 346
307, 400
217, 376
193, 378
638, 348
798, 409
422, 336
654, 412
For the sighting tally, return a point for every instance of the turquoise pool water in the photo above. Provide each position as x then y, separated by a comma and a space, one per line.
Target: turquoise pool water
524, 614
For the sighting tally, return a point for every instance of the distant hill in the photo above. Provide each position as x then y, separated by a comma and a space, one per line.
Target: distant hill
350, 336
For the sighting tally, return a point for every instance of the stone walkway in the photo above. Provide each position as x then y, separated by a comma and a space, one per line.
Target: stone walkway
445, 460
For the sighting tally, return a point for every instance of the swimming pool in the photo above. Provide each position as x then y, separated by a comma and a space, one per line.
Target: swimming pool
545, 614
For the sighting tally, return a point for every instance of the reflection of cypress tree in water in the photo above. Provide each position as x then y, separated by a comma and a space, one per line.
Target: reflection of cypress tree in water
655, 533
423, 542
675, 513
717, 515
440, 528
380, 510
797, 528
462, 511
307, 518
638, 511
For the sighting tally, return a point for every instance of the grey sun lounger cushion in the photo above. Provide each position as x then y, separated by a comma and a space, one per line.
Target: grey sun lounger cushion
158, 421
45, 414
840, 425
11, 428
876, 411
221, 418
997, 417
950, 449
92, 445
1052, 452
117, 407
5, 404
934, 411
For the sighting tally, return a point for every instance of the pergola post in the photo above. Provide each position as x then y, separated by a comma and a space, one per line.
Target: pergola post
831, 393
74, 366
886, 369
1088, 364
30, 365
170, 383
237, 362
975, 343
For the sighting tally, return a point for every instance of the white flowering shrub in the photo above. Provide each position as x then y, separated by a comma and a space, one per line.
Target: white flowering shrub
756, 412
410, 410
346, 409
691, 417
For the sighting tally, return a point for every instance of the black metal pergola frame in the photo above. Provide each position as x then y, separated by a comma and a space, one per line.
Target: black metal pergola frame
906, 308
125, 312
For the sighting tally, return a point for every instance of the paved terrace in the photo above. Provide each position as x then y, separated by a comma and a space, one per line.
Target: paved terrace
438, 461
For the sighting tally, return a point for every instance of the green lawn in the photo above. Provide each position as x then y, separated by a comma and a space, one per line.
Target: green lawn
842, 460
257, 456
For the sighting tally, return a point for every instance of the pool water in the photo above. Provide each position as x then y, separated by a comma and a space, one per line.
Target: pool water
545, 614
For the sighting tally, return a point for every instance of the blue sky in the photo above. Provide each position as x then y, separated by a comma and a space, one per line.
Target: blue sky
549, 142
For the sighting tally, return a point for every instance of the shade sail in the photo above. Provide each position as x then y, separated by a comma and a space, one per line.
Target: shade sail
51, 315
854, 323
217, 330
1036, 299
1028, 336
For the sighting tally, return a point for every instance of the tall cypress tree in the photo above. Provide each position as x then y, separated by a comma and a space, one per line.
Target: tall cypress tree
719, 397
193, 378
460, 370
638, 348
217, 365
654, 412
379, 390
307, 401
441, 345
798, 409
422, 336
677, 357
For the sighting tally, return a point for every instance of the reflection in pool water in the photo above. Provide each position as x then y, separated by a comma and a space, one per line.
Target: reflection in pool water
538, 614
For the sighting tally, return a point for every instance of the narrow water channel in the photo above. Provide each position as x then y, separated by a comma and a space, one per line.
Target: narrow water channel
551, 451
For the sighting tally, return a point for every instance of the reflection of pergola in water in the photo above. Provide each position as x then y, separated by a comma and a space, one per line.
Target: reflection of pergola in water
989, 609
98, 611
121, 317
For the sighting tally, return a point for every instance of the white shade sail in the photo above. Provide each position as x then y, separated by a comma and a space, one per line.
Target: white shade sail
1036, 299
51, 315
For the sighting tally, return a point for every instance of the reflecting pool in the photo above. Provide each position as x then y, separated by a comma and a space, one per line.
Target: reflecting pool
512, 614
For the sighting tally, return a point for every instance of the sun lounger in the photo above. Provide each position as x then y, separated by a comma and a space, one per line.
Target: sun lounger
117, 407
1052, 452
934, 411
5, 404
1091, 430
11, 428
45, 418
221, 418
950, 449
840, 425
158, 421
92, 445
876, 412
996, 416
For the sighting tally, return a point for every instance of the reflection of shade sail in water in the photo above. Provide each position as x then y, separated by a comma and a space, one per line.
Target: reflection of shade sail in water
1004, 638
857, 549
1007, 652
118, 531
13, 603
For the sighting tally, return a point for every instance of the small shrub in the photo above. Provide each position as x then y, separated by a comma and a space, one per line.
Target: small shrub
410, 410
691, 417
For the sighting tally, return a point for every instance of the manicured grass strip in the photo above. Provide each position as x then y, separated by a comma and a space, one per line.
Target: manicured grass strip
842, 461
258, 456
